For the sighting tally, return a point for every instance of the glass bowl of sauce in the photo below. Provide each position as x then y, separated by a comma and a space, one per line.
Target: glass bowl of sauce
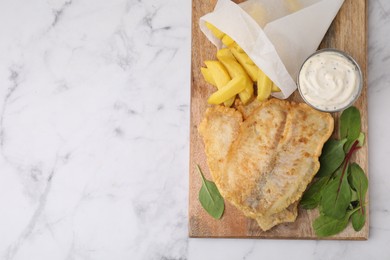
330, 80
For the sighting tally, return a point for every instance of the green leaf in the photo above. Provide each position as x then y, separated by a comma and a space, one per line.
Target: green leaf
358, 219
341, 195
359, 182
332, 157
325, 226
210, 198
312, 196
350, 124
358, 179
336, 197
354, 195
360, 140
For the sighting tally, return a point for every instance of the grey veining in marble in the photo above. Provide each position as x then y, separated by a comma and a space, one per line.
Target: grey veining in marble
93, 129
94, 132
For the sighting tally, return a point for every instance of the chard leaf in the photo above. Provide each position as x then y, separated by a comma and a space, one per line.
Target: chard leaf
359, 183
210, 198
332, 157
312, 196
354, 195
350, 124
360, 140
336, 197
325, 226
358, 219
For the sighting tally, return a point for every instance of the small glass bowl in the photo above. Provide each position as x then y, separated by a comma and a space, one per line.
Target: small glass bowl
359, 72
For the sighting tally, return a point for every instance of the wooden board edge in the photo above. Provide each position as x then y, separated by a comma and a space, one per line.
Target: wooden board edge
362, 238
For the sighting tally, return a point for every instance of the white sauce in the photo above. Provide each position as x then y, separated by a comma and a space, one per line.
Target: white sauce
329, 81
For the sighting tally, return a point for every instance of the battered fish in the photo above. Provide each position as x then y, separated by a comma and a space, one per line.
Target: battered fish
262, 160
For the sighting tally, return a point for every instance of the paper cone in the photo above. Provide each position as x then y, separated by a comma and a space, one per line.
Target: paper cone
278, 35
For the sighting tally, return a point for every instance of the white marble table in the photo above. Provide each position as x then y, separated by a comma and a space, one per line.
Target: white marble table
94, 115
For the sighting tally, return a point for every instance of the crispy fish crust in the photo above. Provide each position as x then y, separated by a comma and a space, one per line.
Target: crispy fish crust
263, 164
287, 215
219, 128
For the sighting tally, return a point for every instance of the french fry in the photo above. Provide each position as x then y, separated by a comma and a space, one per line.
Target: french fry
208, 77
218, 71
226, 57
221, 77
235, 86
247, 63
240, 54
233, 68
247, 94
275, 88
238, 48
217, 33
228, 41
264, 86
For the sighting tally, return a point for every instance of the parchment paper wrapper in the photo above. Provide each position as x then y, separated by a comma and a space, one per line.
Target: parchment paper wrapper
278, 35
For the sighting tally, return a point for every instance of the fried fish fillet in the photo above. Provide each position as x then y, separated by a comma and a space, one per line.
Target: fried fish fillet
263, 164
287, 215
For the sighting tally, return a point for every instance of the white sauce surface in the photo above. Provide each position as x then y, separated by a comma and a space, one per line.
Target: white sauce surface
329, 81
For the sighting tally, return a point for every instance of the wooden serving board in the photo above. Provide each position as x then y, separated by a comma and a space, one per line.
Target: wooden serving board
348, 32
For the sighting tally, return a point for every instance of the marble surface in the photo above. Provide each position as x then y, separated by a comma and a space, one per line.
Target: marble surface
94, 116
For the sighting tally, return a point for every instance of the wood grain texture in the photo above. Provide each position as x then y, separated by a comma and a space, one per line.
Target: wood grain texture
348, 32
